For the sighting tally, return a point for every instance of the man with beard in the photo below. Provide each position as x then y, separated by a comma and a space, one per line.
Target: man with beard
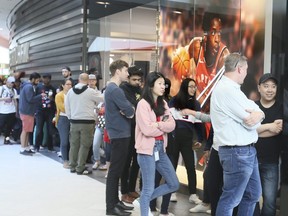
27, 107
132, 90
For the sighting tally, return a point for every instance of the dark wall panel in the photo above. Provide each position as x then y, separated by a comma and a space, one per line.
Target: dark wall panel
53, 32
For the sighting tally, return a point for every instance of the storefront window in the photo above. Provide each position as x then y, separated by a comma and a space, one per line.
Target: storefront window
180, 39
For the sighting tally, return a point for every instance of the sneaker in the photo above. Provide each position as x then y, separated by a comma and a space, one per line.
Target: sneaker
86, 171
52, 150
7, 141
155, 213
103, 167
173, 197
208, 211
26, 152
194, 199
59, 154
96, 165
106, 175
31, 151
200, 208
169, 214
66, 165
35, 149
136, 203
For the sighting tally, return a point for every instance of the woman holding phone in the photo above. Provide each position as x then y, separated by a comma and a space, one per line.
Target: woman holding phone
153, 122
184, 140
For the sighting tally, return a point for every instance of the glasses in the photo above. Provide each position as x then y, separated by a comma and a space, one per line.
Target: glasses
192, 86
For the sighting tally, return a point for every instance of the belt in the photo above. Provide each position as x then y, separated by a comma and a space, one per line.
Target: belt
238, 146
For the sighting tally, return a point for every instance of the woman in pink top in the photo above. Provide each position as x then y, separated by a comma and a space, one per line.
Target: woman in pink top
153, 122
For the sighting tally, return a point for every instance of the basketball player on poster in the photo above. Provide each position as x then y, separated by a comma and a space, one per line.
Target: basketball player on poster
205, 54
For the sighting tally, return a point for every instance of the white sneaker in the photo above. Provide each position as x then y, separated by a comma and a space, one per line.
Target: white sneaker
208, 211
200, 208
96, 165
155, 213
194, 199
169, 214
173, 197
136, 203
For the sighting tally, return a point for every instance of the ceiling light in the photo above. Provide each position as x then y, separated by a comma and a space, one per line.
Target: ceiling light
177, 12
1, 29
102, 3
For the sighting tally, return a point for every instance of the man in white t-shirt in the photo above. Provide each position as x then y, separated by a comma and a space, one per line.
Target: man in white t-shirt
8, 104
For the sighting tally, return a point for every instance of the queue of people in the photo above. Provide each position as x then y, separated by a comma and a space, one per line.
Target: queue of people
144, 130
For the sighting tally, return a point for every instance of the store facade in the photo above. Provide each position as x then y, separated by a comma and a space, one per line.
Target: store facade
87, 35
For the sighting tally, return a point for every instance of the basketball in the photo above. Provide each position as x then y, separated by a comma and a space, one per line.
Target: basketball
181, 62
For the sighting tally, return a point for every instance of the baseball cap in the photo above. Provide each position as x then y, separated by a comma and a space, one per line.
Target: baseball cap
46, 75
266, 77
133, 70
10, 79
92, 77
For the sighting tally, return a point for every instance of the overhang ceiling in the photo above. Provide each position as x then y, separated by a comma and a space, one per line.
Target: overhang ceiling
99, 9
5, 7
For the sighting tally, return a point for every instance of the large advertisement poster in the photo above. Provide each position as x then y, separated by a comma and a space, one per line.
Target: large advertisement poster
201, 35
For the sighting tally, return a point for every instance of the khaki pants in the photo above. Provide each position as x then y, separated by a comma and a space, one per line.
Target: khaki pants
81, 139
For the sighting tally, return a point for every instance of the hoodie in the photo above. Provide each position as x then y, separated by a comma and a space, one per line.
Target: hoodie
28, 99
81, 102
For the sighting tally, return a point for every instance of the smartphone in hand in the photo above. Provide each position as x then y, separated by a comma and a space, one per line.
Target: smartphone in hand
165, 118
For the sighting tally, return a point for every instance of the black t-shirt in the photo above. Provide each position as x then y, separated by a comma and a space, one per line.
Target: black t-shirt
47, 103
269, 148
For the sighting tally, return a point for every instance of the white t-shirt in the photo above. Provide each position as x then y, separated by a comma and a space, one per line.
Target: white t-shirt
8, 105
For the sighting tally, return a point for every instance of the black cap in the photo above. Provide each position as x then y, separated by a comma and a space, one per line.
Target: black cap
133, 70
46, 75
266, 77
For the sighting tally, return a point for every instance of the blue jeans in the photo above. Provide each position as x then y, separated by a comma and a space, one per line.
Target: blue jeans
269, 174
97, 141
63, 127
148, 165
241, 180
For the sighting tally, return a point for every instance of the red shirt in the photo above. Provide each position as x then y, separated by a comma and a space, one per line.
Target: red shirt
158, 137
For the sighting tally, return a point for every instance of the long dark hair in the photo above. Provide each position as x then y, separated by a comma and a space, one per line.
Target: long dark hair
158, 108
182, 98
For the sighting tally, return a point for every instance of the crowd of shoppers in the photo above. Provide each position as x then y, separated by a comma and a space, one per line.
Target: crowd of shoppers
139, 129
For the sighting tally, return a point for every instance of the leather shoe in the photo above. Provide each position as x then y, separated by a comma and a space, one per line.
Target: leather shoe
117, 211
134, 195
127, 199
122, 206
